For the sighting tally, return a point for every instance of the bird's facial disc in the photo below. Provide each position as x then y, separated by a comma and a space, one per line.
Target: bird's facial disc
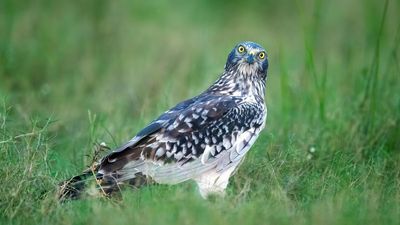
249, 57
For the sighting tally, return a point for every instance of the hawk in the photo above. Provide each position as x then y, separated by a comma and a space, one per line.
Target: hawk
204, 138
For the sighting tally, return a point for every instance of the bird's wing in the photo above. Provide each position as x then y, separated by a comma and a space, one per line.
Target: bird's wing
130, 150
184, 141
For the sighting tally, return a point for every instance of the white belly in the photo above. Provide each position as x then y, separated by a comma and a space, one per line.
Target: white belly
216, 180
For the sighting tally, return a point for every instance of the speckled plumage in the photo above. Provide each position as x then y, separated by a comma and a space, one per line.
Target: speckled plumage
204, 138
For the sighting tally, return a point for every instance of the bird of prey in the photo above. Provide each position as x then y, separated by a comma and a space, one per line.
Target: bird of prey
204, 138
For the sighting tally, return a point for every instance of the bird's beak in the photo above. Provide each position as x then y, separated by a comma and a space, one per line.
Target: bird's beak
250, 58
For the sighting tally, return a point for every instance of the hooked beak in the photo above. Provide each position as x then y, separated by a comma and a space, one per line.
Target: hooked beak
250, 58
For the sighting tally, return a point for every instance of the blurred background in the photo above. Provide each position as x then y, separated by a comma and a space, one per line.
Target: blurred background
76, 73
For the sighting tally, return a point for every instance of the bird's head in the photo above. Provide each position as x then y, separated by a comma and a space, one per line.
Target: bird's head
248, 58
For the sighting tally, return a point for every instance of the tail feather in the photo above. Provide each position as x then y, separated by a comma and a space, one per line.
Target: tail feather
91, 183
75, 187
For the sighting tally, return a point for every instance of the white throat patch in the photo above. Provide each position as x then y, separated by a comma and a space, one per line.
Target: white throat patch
247, 69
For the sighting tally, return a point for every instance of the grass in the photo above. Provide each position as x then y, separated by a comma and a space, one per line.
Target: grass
76, 73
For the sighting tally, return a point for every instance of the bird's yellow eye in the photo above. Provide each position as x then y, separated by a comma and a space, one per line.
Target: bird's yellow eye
261, 55
241, 49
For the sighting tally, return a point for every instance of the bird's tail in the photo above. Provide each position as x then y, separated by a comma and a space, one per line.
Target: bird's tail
90, 183
87, 183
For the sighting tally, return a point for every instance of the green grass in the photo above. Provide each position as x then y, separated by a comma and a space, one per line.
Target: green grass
76, 73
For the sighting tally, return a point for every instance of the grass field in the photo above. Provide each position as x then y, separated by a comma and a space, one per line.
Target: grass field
76, 73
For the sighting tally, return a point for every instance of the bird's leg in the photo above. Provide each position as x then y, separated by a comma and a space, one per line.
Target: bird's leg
214, 183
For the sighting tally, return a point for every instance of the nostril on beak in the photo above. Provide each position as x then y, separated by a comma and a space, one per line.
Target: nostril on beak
250, 59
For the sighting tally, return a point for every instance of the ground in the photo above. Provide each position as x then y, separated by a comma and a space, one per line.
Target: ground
77, 73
